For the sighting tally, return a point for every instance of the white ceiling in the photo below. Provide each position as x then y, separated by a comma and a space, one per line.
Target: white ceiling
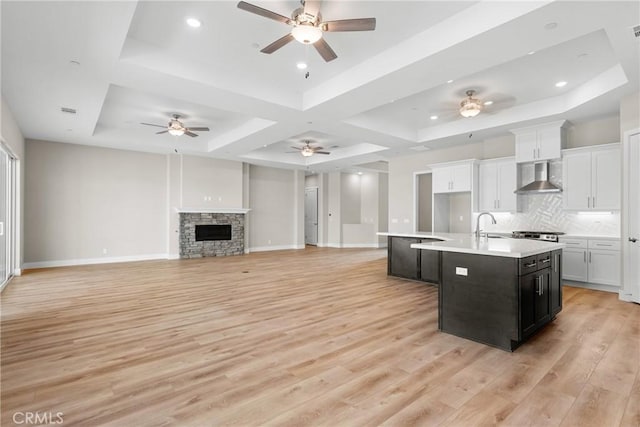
140, 62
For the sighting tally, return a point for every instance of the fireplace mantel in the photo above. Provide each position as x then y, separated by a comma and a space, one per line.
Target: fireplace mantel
212, 210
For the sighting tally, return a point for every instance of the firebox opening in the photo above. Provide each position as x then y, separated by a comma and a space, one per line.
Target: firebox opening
213, 232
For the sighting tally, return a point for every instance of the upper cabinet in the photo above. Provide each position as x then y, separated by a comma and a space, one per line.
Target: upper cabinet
452, 177
538, 143
591, 178
497, 185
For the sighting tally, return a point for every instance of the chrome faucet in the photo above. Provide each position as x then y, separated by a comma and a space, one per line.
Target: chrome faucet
493, 221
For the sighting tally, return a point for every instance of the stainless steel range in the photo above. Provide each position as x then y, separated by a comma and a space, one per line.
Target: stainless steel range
548, 236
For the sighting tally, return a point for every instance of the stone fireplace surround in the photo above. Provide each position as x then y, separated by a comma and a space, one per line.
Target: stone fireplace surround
189, 218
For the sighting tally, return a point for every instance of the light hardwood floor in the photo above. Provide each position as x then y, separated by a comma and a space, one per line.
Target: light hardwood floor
312, 337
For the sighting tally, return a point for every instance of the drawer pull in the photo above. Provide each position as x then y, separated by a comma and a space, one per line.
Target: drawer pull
533, 264
546, 260
602, 244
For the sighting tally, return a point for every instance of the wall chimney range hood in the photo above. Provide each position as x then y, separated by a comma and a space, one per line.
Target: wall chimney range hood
541, 182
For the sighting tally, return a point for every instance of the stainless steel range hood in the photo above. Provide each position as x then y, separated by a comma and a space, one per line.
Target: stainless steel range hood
541, 182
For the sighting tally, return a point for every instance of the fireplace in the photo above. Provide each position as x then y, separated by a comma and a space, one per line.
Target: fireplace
210, 233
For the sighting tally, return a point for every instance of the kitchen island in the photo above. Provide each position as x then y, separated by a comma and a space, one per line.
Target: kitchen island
497, 291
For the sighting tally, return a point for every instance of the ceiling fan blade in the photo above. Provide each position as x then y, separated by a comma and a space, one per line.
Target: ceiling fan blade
162, 131
263, 12
297, 148
277, 44
321, 152
361, 24
312, 7
191, 134
151, 124
199, 129
325, 50
296, 152
316, 148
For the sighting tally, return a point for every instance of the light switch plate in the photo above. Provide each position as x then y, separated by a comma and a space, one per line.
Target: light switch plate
461, 271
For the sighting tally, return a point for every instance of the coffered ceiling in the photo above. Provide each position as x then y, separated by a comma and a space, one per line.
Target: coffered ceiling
122, 63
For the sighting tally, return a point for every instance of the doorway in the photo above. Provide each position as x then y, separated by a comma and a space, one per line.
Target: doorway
423, 202
311, 216
7, 203
631, 220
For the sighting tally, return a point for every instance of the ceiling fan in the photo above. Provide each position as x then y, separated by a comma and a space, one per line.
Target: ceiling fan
308, 26
176, 128
307, 150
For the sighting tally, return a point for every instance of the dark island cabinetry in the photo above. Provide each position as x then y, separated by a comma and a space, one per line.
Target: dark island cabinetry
500, 301
414, 264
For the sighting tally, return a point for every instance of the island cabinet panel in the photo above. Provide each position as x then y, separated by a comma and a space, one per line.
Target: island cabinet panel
479, 298
403, 260
555, 286
500, 301
430, 266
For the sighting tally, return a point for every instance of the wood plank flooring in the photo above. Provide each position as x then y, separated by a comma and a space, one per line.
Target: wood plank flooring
296, 338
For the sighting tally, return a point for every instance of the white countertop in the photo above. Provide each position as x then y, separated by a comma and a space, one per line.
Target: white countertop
589, 236
503, 247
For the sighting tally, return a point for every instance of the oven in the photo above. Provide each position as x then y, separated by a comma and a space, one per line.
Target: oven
547, 236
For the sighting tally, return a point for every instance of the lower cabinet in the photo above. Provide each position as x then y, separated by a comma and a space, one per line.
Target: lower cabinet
403, 261
414, 264
535, 301
595, 261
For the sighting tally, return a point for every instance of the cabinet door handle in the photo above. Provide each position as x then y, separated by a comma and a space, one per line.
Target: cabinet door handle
538, 152
585, 256
589, 257
498, 203
588, 201
534, 153
541, 285
593, 202
555, 267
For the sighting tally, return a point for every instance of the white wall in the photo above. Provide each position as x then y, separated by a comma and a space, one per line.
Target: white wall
81, 201
13, 139
350, 199
334, 223
276, 199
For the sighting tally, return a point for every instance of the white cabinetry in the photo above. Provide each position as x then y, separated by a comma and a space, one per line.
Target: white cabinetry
497, 183
452, 178
537, 143
591, 178
592, 260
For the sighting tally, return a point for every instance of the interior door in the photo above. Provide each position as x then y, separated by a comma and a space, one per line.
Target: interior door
311, 216
631, 242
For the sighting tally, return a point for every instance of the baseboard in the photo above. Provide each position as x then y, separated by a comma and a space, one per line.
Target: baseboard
593, 286
360, 245
87, 261
17, 272
173, 256
275, 248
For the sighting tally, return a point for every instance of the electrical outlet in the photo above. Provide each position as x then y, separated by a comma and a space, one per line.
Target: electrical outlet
104, 251
269, 242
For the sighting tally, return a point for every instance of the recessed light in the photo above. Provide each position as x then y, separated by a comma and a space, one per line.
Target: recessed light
301, 65
449, 81
434, 117
531, 53
193, 22
551, 26
561, 84
488, 102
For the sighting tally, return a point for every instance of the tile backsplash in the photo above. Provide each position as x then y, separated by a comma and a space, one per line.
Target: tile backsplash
543, 212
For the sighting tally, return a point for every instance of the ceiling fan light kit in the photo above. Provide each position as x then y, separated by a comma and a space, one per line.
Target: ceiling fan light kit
308, 26
176, 128
471, 106
306, 33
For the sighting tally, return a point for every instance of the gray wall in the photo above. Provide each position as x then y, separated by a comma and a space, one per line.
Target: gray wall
275, 207
425, 209
350, 199
219, 181
81, 201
